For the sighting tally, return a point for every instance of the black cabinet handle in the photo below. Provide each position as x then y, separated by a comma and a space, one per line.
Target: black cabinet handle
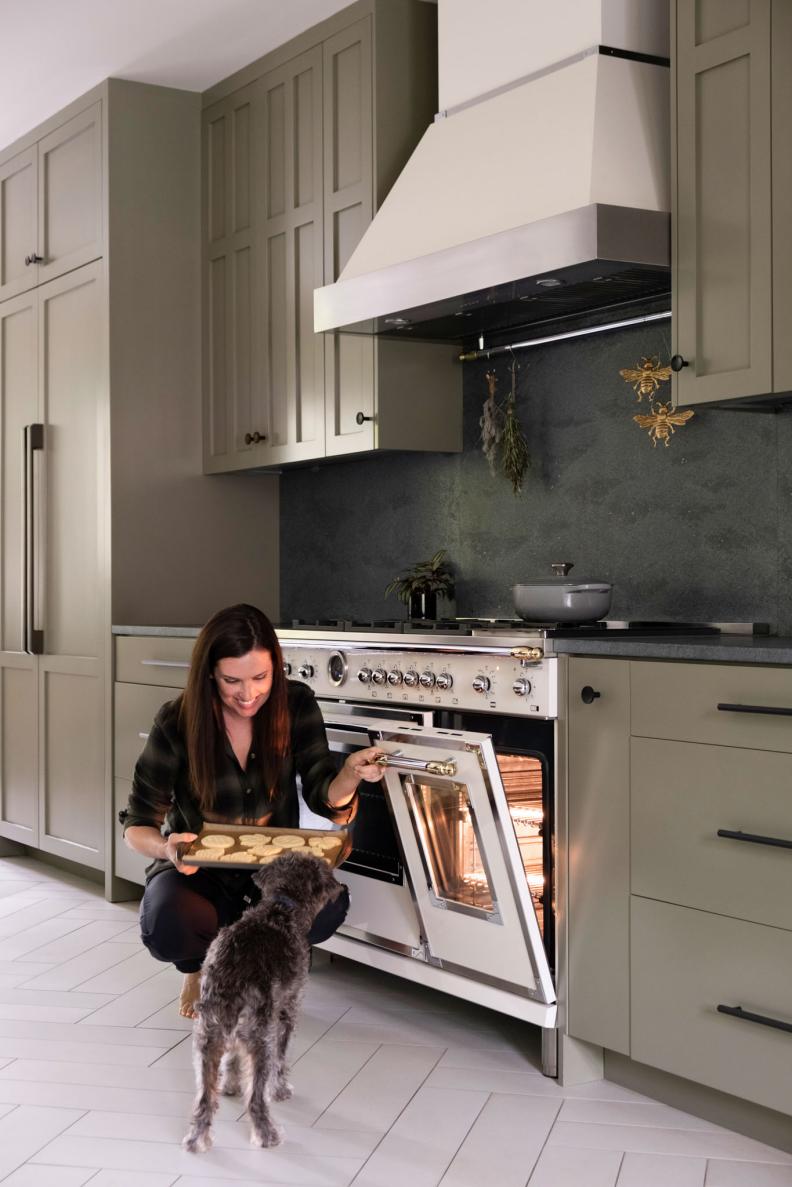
35, 258
677, 363
361, 418
772, 710
589, 694
762, 1019
754, 838
254, 438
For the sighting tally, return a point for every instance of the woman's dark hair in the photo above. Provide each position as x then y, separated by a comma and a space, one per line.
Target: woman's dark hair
231, 633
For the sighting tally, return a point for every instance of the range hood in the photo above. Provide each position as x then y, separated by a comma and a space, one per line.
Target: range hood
545, 198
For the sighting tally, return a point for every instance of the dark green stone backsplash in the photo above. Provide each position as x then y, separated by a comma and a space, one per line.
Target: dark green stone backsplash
699, 531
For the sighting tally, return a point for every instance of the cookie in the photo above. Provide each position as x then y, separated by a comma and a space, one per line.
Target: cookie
289, 841
323, 842
205, 854
265, 857
236, 856
216, 841
253, 840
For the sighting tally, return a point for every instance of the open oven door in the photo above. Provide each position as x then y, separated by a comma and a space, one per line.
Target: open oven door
471, 894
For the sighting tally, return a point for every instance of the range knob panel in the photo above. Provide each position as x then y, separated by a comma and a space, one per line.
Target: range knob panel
481, 684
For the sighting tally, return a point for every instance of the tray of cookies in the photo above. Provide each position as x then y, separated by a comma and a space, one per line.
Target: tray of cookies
248, 847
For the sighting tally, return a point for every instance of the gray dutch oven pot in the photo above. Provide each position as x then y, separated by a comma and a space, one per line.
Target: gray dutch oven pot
561, 599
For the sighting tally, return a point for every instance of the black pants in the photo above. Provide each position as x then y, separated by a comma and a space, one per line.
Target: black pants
181, 914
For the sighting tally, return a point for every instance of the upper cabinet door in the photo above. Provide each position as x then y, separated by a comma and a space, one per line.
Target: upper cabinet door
291, 236
70, 205
236, 413
349, 208
723, 244
18, 226
782, 196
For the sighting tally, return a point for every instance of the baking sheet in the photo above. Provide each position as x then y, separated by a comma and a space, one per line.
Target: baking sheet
336, 856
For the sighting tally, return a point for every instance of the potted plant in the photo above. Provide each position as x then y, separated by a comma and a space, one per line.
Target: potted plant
419, 586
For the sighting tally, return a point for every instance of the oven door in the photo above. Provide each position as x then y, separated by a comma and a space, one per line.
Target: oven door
452, 818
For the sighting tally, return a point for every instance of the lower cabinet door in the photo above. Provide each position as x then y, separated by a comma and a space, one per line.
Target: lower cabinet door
18, 748
126, 863
711, 1000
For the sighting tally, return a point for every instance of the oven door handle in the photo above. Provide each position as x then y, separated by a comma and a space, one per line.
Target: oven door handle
431, 766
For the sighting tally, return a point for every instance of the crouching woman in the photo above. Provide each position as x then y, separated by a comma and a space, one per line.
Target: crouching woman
228, 751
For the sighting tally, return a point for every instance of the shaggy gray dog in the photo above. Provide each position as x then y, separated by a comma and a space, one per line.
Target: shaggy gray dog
251, 983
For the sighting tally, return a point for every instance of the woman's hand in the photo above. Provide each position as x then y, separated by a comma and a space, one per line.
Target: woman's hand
172, 844
362, 764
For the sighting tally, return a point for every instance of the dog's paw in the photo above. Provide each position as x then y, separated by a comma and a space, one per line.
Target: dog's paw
266, 1138
283, 1091
197, 1143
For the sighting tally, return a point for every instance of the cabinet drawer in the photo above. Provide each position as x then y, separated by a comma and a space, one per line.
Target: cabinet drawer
153, 659
126, 863
681, 794
680, 701
684, 965
135, 708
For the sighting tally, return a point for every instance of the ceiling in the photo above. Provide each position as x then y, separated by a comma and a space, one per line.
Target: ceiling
51, 51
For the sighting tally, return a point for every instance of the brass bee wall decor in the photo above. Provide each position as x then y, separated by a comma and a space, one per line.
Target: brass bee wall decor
647, 376
661, 423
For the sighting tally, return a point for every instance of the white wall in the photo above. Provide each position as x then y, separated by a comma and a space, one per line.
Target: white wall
484, 44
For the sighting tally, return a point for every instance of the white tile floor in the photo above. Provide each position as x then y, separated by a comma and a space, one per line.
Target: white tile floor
393, 1084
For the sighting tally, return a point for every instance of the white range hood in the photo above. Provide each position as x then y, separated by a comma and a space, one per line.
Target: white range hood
547, 196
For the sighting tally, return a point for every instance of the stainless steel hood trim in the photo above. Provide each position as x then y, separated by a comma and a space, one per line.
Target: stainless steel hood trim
595, 232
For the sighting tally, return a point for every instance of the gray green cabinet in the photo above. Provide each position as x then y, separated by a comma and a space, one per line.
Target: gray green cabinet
123, 525
51, 204
732, 161
598, 939
675, 908
312, 137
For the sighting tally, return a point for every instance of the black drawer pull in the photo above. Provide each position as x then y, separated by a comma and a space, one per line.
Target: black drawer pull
772, 710
762, 1019
754, 838
589, 695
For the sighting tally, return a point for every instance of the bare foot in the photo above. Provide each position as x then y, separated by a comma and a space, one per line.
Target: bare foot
191, 991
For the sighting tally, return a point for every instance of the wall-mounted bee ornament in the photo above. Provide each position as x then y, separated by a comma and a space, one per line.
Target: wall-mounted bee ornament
661, 423
647, 376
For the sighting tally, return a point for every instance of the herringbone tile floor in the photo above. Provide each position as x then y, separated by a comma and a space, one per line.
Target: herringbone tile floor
393, 1084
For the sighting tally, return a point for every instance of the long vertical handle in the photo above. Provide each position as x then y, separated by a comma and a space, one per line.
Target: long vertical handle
34, 627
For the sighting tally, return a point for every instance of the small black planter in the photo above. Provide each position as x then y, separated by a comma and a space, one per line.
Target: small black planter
423, 605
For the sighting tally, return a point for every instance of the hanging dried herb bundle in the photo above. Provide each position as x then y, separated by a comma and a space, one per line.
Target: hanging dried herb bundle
515, 458
491, 423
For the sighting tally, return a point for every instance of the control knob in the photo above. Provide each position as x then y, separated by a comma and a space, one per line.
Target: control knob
306, 671
364, 675
394, 677
378, 676
287, 668
521, 687
445, 680
481, 684
411, 678
427, 679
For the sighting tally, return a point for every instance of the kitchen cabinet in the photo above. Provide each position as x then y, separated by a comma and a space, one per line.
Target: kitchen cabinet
732, 293
51, 204
298, 153
149, 670
106, 515
679, 889
598, 1008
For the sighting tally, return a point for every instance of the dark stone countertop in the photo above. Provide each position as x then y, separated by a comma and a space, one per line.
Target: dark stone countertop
726, 649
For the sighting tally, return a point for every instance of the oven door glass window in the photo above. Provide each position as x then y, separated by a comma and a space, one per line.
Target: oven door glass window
463, 857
